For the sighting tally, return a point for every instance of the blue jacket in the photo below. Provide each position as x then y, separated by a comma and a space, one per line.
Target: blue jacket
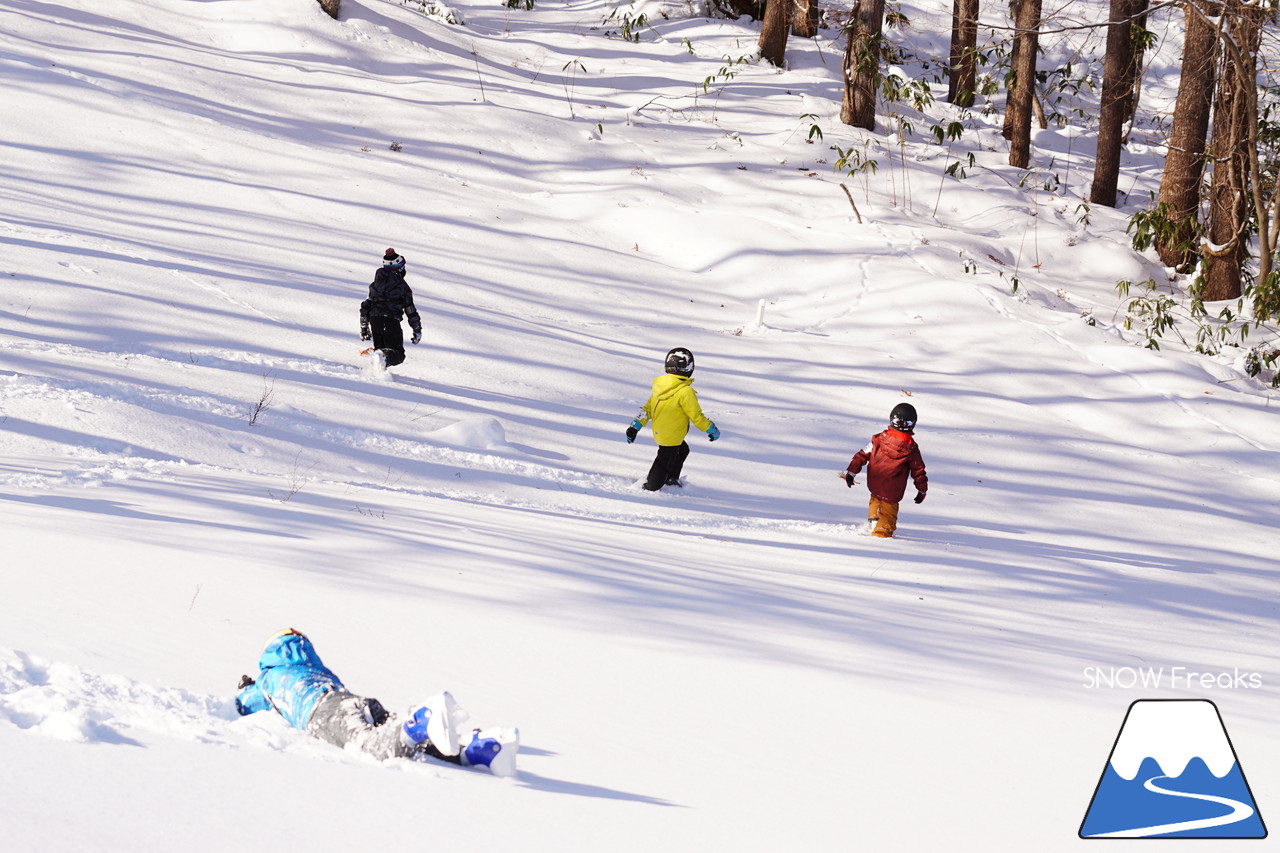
292, 680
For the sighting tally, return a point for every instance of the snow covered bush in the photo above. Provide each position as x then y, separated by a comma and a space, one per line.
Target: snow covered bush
439, 12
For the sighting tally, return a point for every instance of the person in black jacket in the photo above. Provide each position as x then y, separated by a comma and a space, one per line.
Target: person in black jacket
389, 299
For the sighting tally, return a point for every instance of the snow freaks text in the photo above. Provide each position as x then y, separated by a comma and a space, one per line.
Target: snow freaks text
1172, 677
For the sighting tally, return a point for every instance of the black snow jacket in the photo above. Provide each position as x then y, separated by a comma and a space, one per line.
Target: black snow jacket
390, 297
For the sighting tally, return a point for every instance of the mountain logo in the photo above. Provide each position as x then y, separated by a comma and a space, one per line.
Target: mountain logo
1172, 773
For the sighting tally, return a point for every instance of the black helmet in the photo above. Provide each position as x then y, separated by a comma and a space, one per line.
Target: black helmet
903, 418
680, 362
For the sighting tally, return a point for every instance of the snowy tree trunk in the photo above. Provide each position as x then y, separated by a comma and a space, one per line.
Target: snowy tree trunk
774, 30
1026, 44
805, 18
1234, 123
1117, 89
1185, 160
862, 64
331, 7
962, 79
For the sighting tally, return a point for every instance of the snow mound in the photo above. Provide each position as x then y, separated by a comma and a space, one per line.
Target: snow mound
473, 433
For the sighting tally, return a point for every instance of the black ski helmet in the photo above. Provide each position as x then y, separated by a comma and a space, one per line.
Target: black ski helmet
680, 362
903, 418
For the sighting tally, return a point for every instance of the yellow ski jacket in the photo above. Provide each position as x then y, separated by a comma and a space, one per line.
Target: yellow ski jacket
672, 405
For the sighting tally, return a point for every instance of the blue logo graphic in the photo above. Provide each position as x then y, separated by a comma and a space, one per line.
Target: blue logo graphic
1173, 773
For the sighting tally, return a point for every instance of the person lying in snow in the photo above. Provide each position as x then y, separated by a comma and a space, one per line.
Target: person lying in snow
299, 687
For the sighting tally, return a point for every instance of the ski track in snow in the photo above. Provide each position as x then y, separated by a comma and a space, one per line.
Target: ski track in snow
67, 703
212, 286
64, 702
673, 511
89, 396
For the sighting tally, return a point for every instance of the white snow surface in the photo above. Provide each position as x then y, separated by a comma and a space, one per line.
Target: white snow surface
193, 199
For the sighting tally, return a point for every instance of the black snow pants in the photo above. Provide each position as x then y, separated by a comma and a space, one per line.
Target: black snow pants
667, 466
388, 336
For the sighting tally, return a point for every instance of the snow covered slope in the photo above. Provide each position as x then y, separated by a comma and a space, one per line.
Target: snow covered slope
192, 456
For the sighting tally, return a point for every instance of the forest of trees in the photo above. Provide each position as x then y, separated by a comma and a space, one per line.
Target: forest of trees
1217, 215
1215, 221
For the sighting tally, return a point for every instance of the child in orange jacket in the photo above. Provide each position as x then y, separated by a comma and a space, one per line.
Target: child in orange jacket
891, 457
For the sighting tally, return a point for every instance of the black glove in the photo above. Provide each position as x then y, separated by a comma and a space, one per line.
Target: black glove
632, 432
365, 335
245, 681
919, 497
417, 336
848, 479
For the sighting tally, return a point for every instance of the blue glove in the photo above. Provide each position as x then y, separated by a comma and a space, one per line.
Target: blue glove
417, 336
919, 497
633, 430
713, 432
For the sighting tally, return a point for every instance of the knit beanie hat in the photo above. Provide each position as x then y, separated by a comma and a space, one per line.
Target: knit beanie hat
393, 260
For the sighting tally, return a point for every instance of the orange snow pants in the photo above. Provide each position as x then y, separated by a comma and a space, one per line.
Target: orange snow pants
883, 515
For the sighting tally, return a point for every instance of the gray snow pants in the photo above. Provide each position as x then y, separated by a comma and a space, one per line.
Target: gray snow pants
345, 718
342, 718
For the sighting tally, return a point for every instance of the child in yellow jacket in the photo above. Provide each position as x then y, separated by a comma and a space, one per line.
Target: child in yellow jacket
672, 406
